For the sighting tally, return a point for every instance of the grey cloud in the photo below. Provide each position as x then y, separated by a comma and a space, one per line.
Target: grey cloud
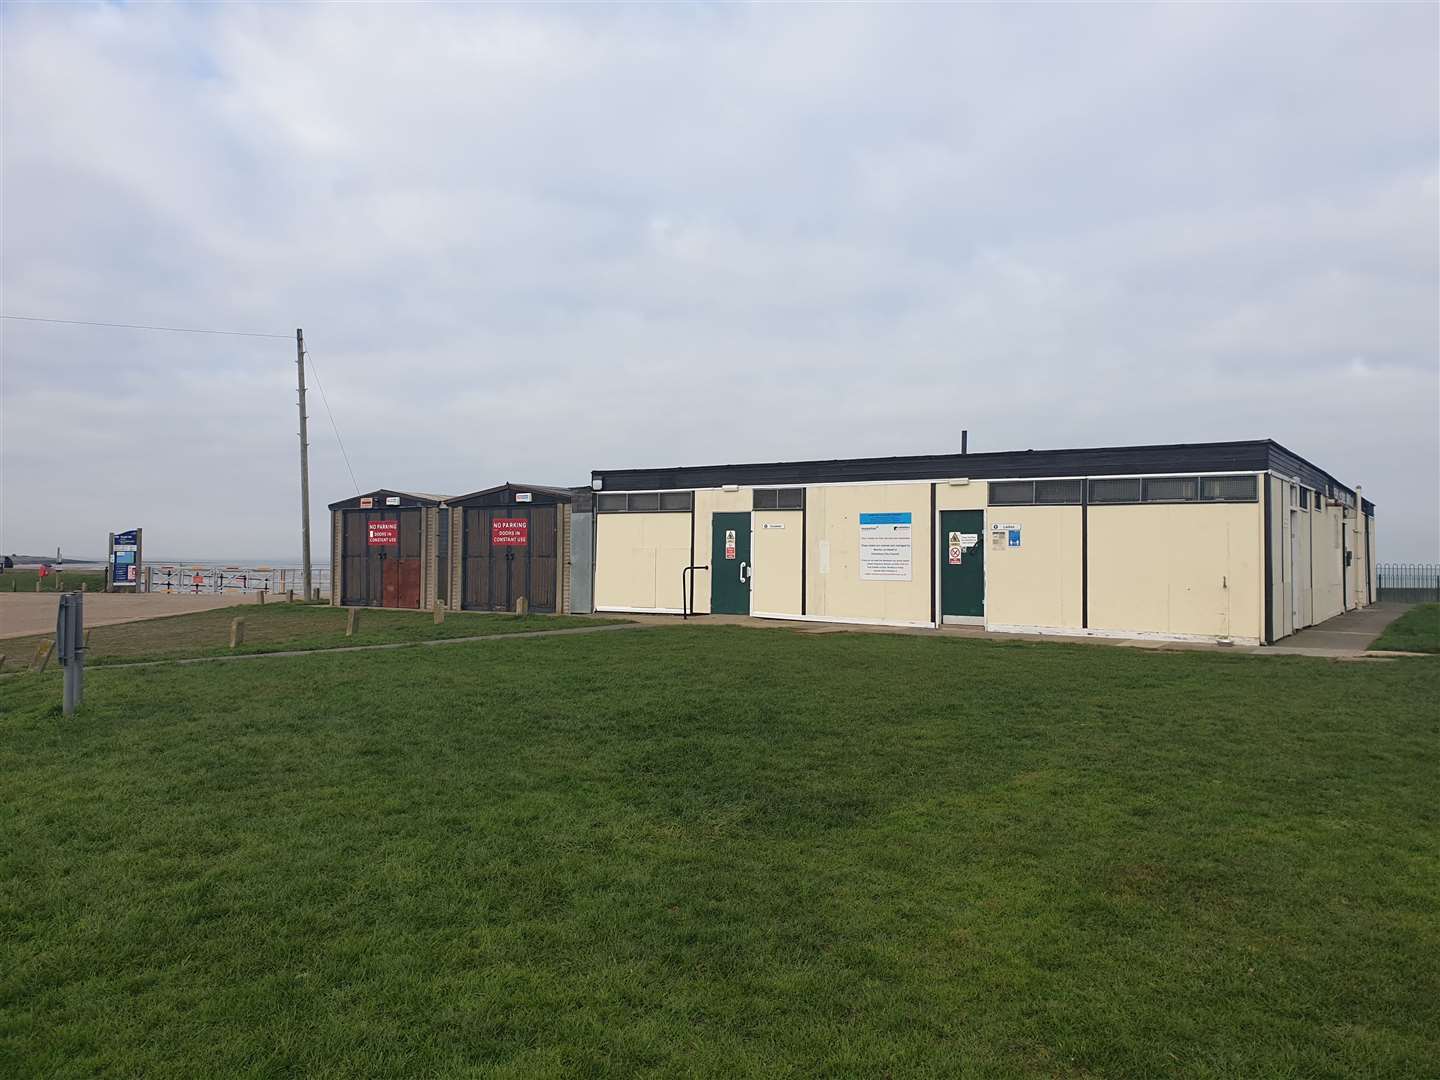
687, 234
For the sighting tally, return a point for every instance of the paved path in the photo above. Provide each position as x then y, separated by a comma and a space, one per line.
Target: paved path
1345, 634
23, 614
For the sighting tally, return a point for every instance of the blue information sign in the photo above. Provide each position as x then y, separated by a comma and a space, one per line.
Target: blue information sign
124, 570
128, 537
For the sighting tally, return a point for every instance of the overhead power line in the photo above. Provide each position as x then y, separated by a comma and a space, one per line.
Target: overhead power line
333, 427
138, 326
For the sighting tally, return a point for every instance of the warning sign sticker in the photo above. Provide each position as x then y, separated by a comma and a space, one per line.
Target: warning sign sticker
729, 543
509, 532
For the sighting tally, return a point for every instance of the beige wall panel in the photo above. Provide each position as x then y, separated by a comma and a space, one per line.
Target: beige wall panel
1040, 583
776, 584
707, 502
1325, 555
639, 559
971, 496
833, 518
1177, 569
1303, 569
1284, 569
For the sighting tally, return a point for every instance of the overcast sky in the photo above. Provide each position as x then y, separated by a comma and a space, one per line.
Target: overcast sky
525, 243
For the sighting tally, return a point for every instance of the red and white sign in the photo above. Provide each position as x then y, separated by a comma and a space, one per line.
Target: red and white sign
729, 543
366, 502
509, 532
381, 533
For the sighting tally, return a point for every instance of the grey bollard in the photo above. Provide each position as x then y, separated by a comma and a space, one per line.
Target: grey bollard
84, 586
522, 606
439, 612
237, 633
352, 622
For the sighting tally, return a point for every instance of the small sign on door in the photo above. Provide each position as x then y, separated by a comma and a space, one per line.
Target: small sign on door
729, 543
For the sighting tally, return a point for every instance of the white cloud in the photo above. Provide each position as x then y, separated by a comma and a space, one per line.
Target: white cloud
687, 234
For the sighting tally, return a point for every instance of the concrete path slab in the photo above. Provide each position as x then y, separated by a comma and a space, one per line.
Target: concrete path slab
1344, 637
1345, 634
23, 614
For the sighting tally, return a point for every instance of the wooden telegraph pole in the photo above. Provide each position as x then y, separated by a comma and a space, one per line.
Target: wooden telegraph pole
304, 462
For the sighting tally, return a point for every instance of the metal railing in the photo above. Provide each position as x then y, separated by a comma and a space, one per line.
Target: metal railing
1411, 583
275, 580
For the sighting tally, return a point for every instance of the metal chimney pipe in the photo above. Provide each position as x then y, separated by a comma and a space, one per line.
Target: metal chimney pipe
964, 441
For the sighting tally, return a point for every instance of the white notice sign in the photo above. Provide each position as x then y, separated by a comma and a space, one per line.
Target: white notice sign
885, 547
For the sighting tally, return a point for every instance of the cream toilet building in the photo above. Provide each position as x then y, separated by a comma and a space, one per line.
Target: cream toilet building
1236, 541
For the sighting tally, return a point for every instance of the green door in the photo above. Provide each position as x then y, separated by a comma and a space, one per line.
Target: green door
730, 564
962, 563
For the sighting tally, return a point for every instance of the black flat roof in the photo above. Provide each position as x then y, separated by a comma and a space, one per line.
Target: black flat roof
1256, 455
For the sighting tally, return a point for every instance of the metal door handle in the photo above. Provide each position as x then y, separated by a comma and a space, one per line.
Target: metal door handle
742, 570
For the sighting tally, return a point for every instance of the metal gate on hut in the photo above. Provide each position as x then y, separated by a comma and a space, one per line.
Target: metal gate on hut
384, 546
510, 542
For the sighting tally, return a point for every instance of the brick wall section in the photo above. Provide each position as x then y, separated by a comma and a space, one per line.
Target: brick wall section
562, 564
457, 532
336, 565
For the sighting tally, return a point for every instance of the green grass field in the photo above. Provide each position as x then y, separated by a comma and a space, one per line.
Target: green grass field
277, 627
1418, 630
24, 579
720, 852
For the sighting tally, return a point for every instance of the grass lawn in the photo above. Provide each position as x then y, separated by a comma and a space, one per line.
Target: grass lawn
23, 580
276, 627
1418, 630
719, 852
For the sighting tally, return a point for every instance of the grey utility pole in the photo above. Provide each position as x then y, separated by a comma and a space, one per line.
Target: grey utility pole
304, 462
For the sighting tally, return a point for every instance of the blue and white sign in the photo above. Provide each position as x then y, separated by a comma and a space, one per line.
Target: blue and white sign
885, 547
1014, 537
123, 572
129, 538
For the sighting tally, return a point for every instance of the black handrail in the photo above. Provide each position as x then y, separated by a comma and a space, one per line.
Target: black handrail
684, 606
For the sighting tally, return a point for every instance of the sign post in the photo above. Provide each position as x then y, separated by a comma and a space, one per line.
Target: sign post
70, 644
125, 560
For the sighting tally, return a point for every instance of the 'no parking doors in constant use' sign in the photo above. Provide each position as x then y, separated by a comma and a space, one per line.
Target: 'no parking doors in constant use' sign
381, 533
514, 532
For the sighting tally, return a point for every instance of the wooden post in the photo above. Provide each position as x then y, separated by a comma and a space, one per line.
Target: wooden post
439, 612
88, 632
352, 622
237, 632
260, 596
42, 655
522, 606
2, 661
289, 596
37, 583
84, 586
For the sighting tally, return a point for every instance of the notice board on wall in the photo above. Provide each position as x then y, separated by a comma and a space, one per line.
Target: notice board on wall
885, 547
